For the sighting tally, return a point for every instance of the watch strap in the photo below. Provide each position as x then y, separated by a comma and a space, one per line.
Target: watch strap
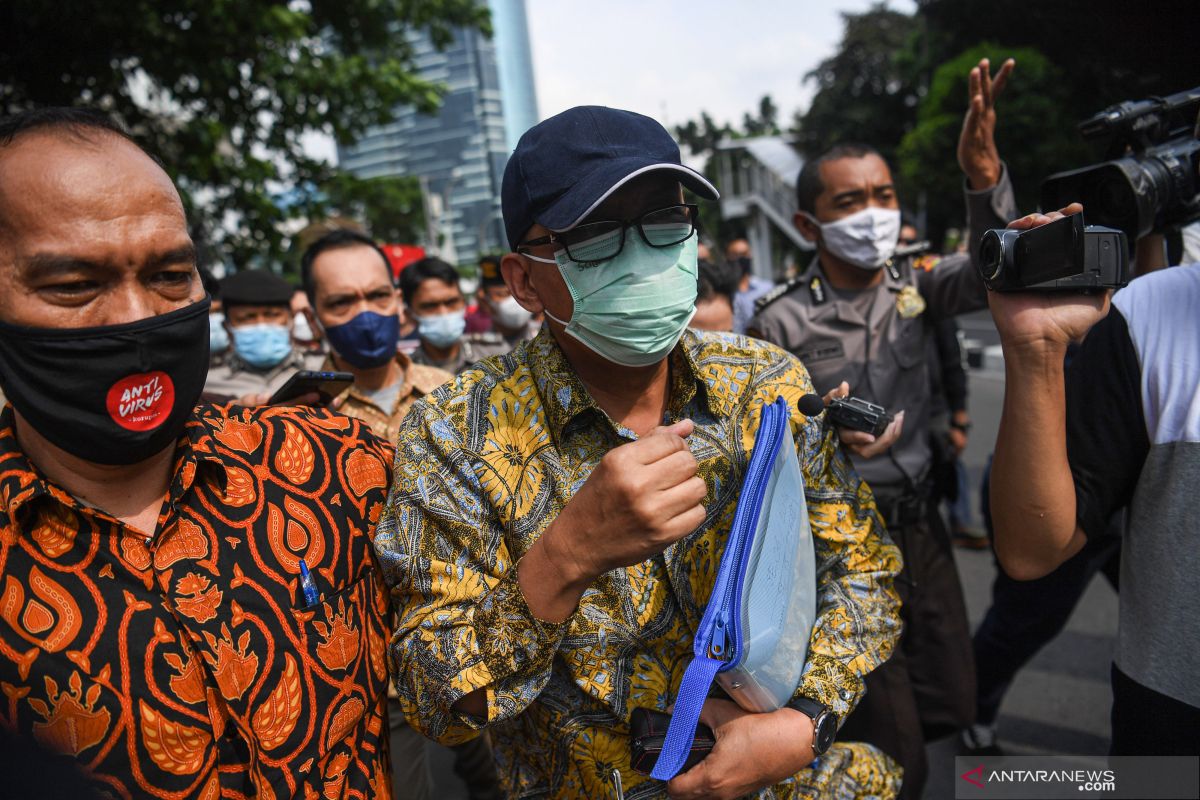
807, 706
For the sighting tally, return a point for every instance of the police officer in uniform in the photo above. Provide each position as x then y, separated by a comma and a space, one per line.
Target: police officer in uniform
263, 353
433, 298
498, 311
861, 314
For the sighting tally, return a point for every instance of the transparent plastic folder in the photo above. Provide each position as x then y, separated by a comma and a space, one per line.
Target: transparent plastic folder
753, 638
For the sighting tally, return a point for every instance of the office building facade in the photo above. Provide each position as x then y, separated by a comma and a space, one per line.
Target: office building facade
459, 153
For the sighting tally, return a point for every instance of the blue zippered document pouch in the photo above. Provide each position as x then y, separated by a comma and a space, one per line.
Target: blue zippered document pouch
753, 638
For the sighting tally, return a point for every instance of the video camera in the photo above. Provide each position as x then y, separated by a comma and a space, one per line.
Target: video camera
1152, 178
1063, 255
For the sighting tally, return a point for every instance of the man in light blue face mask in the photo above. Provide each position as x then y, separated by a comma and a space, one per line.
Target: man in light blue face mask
558, 514
262, 355
434, 299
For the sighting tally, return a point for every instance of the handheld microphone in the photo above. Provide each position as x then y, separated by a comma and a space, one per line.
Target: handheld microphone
810, 405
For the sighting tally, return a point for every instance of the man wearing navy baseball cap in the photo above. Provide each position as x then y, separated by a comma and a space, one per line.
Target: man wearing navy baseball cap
558, 514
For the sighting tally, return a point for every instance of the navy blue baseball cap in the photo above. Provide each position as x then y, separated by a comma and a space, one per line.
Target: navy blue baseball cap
565, 167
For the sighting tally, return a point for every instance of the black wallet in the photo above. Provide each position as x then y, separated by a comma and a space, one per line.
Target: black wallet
648, 731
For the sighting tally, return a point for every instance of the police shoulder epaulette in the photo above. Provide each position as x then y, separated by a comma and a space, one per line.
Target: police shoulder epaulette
776, 293
485, 337
914, 249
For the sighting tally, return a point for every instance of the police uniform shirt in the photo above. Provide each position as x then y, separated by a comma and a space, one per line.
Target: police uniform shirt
877, 340
234, 377
474, 347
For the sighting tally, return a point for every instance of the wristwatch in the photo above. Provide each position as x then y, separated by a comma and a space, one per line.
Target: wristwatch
824, 722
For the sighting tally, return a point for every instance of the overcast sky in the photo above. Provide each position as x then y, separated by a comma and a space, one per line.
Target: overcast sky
670, 59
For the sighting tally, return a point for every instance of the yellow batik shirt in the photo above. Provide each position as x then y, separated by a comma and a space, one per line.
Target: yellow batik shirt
486, 462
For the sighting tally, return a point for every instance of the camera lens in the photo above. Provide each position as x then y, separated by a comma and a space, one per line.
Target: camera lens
1114, 201
991, 255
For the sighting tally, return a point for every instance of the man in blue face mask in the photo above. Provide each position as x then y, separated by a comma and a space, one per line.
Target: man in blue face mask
357, 310
262, 355
433, 297
558, 515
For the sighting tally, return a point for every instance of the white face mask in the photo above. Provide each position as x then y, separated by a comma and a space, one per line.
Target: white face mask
509, 314
301, 330
866, 239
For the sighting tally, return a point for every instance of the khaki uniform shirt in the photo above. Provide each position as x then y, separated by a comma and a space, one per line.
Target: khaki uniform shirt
474, 348
878, 340
419, 380
234, 377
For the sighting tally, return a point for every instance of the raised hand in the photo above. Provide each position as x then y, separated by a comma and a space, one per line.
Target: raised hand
640, 499
977, 153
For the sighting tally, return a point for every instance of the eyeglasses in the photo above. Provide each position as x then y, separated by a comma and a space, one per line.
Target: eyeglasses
594, 242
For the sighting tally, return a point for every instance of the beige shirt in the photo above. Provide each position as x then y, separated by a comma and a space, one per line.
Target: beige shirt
234, 378
878, 339
419, 380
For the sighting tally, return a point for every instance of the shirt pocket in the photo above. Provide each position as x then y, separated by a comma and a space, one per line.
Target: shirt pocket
907, 342
341, 664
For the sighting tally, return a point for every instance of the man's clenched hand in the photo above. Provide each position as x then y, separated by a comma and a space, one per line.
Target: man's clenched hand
642, 498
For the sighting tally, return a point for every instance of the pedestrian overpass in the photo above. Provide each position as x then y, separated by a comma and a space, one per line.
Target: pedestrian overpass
757, 179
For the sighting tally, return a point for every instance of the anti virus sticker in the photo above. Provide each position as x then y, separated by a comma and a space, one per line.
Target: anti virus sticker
141, 402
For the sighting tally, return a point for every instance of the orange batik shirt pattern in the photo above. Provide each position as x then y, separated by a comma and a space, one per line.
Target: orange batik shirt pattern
187, 663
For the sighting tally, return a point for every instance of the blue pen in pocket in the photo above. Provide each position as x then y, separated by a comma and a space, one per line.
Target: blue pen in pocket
308, 586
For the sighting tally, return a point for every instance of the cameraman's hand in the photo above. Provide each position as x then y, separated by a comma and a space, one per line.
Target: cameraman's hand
862, 443
753, 751
642, 498
977, 154
1040, 323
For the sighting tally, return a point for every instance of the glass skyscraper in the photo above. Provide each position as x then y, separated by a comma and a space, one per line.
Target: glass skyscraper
516, 68
459, 153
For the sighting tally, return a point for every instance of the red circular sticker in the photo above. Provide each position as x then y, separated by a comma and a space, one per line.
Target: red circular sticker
141, 402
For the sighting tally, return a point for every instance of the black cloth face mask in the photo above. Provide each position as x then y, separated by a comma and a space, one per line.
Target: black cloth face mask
115, 394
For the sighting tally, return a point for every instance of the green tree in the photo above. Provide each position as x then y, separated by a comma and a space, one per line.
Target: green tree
391, 208
701, 137
767, 121
868, 90
1108, 50
1034, 131
225, 91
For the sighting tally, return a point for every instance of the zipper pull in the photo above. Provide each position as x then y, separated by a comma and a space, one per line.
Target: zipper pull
716, 647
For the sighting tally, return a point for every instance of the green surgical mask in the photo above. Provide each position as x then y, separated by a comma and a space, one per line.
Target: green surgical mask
631, 309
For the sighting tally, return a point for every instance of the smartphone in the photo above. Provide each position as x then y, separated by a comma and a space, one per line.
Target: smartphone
326, 384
